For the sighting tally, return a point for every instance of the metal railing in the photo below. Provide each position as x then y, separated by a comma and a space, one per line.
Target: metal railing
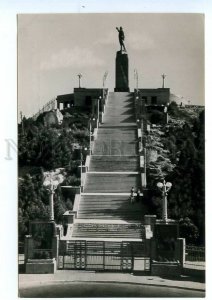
103, 255
195, 257
50, 105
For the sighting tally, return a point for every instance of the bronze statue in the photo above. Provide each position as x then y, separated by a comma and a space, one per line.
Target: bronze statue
121, 38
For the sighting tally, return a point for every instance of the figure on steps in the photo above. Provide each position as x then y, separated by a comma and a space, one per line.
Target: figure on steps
121, 38
132, 195
138, 198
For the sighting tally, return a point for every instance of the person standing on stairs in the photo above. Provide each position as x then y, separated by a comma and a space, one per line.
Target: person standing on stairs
138, 197
132, 195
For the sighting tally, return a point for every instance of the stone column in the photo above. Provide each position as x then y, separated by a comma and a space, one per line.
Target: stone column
28, 247
55, 247
153, 252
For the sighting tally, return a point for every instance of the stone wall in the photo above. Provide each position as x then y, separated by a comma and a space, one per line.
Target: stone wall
84, 97
41, 266
162, 96
165, 269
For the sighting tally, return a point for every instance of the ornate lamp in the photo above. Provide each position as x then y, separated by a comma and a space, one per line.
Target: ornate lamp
51, 183
164, 187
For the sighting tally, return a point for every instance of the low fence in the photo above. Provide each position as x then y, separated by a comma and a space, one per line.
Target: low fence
195, 257
103, 256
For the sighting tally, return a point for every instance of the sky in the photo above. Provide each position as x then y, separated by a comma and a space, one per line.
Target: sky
54, 48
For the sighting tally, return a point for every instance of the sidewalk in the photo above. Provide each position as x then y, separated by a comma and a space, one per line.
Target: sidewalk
32, 280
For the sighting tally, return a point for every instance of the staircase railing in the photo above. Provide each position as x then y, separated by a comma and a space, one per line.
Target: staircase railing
50, 105
139, 114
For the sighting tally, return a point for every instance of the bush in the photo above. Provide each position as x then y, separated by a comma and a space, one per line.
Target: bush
188, 231
156, 117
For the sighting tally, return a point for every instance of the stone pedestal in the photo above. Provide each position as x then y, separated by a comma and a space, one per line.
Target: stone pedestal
168, 269
122, 81
41, 266
180, 251
41, 247
166, 235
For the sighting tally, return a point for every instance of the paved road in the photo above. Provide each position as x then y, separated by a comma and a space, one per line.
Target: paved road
67, 283
105, 289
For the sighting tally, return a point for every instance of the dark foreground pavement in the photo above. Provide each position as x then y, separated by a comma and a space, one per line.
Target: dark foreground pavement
91, 284
105, 289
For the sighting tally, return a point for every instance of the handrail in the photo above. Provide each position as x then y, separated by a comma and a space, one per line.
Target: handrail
48, 106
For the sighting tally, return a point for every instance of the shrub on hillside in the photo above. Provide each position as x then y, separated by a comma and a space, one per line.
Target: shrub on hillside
156, 117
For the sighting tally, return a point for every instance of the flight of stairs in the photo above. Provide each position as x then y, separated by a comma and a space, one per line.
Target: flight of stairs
117, 163
113, 171
95, 230
109, 207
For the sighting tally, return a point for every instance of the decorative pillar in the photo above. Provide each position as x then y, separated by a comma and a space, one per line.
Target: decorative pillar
28, 247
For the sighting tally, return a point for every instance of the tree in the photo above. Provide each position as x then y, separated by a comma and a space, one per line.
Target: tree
188, 231
180, 160
32, 202
156, 117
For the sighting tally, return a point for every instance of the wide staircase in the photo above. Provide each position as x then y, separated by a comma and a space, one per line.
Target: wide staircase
105, 210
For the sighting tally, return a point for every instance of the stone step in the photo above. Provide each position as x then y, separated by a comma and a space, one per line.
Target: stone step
119, 110
116, 141
92, 230
111, 183
114, 163
129, 133
115, 147
116, 207
118, 216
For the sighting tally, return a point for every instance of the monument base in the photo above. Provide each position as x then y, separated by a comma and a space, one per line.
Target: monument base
122, 90
122, 82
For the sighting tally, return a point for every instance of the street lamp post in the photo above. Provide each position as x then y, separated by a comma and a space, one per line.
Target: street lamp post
90, 134
136, 78
52, 189
137, 107
98, 101
51, 186
80, 76
164, 187
104, 78
81, 158
163, 76
51, 182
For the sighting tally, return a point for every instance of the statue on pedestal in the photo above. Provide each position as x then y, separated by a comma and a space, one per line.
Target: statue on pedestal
121, 38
